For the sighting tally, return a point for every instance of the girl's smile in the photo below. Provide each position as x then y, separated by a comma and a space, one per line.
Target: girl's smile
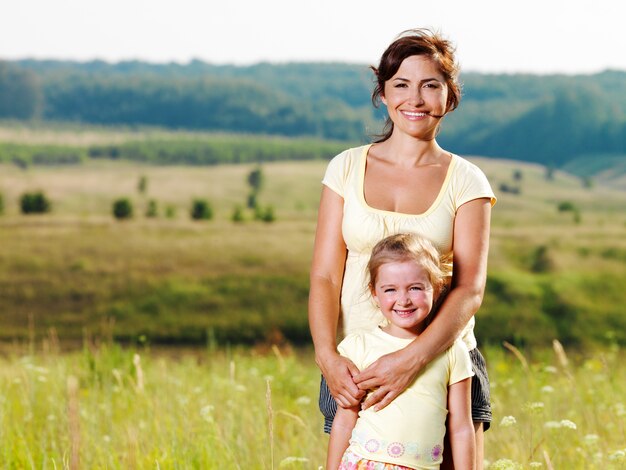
405, 296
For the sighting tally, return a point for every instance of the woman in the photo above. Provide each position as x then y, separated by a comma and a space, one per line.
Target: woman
403, 182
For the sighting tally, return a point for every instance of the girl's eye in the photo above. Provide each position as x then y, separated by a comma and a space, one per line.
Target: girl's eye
389, 290
417, 288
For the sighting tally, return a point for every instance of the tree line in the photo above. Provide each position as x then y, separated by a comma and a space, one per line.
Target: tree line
552, 119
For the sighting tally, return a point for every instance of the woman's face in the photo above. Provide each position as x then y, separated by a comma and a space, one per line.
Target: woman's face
416, 97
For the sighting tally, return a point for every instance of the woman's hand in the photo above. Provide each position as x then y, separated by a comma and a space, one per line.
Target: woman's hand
339, 372
389, 376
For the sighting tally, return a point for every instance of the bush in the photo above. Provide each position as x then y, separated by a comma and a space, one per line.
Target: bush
152, 210
170, 212
201, 210
566, 206
237, 214
123, 208
35, 203
265, 215
142, 184
252, 201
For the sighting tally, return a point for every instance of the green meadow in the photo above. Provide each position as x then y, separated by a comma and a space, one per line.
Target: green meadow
215, 312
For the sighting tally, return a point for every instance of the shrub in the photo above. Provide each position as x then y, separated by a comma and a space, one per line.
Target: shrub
170, 212
201, 210
35, 203
268, 214
566, 206
142, 184
540, 260
255, 179
508, 188
252, 201
237, 214
122, 208
152, 210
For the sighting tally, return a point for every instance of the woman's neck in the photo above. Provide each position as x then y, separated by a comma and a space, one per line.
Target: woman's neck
407, 151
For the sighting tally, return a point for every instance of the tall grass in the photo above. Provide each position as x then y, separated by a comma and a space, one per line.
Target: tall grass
223, 408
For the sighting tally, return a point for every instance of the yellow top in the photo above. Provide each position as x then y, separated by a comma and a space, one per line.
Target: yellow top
410, 430
363, 226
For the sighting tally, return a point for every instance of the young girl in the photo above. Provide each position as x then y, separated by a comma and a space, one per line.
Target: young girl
407, 276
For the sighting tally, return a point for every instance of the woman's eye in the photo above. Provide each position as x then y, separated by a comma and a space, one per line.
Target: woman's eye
389, 290
416, 288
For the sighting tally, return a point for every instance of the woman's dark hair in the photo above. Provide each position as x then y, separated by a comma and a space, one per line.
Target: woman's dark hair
413, 42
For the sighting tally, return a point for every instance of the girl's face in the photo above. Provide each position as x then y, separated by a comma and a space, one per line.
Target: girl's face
405, 296
416, 97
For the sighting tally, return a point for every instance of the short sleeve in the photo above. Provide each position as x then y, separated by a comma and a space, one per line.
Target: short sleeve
472, 184
353, 347
460, 362
337, 173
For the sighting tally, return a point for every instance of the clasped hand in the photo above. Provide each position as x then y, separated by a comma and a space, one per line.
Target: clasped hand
388, 376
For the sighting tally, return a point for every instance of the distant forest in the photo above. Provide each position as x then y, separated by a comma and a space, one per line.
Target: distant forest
554, 119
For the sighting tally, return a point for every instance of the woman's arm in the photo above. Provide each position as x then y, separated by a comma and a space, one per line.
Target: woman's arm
460, 426
392, 373
340, 433
329, 258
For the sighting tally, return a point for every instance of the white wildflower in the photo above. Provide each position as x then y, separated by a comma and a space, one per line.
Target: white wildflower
534, 406
42, 379
552, 424
106, 438
618, 456
550, 369
505, 464
240, 388
291, 460
197, 390
303, 401
508, 421
566, 423
51, 418
591, 439
536, 465
620, 410
207, 413
268, 377
547, 389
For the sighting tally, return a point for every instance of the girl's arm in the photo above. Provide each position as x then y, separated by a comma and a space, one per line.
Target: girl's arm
329, 258
340, 433
460, 425
392, 373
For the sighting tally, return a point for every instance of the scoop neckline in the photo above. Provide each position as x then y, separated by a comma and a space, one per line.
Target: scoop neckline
433, 206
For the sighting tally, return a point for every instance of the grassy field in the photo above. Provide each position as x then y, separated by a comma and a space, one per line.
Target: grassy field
172, 279
76, 285
115, 408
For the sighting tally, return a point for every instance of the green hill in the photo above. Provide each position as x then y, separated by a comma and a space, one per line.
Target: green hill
550, 119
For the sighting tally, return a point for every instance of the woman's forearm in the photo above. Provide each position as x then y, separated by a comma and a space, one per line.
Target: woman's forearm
458, 308
323, 315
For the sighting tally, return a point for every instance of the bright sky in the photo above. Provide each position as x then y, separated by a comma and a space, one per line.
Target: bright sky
537, 36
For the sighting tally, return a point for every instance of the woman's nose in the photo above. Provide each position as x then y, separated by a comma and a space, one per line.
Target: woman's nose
416, 97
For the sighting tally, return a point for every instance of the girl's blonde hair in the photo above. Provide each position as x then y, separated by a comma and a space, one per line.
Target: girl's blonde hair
411, 247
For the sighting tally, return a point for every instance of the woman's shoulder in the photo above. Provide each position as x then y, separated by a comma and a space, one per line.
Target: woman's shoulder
463, 166
350, 155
